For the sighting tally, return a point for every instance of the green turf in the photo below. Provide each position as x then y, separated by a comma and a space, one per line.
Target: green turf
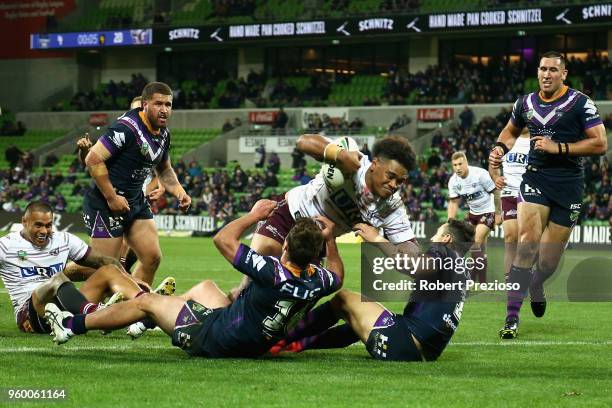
564, 359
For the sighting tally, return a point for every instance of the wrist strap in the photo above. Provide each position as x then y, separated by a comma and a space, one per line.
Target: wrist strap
503, 146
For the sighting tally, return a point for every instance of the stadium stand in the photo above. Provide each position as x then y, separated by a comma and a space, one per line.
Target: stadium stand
460, 81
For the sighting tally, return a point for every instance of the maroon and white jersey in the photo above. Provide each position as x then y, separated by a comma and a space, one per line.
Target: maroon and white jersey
514, 164
24, 266
352, 203
476, 188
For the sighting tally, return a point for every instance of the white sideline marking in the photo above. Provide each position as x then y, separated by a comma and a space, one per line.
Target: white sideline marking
128, 347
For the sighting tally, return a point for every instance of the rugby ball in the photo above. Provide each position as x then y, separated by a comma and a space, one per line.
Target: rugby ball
332, 176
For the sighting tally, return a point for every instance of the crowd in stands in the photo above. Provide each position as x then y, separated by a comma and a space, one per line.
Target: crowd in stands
598, 190
110, 96
452, 83
19, 183
316, 122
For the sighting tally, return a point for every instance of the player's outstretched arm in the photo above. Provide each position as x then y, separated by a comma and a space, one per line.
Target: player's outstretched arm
168, 179
504, 143
94, 161
370, 234
334, 262
95, 259
227, 239
316, 146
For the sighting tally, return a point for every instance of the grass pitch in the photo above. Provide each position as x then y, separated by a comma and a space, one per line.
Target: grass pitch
563, 359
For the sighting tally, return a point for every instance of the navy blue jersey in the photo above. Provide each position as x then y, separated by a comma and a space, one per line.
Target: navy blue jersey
135, 151
564, 120
271, 305
433, 316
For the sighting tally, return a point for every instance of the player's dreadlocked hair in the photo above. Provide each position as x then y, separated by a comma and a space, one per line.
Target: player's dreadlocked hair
155, 87
304, 242
463, 235
395, 148
38, 206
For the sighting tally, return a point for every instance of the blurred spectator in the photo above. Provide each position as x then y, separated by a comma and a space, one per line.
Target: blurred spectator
281, 119
274, 163
366, 151
12, 155
297, 159
227, 126
467, 118
260, 156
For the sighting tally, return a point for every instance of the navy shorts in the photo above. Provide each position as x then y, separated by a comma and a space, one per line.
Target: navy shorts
391, 340
192, 327
562, 194
101, 223
29, 321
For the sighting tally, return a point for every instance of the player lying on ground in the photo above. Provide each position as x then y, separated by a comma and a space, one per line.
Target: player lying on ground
369, 194
31, 265
203, 322
424, 329
564, 125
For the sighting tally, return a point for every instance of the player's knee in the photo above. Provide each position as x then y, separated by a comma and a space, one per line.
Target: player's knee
58, 280
153, 260
145, 301
547, 265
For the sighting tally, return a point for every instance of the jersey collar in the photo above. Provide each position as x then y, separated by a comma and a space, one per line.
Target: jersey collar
561, 94
297, 271
144, 119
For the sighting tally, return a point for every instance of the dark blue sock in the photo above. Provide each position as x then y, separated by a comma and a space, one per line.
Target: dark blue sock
316, 321
336, 337
76, 323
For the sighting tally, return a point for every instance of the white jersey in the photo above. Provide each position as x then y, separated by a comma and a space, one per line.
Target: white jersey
24, 266
352, 203
514, 165
476, 188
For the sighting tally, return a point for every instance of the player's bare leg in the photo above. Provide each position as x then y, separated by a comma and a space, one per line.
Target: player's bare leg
107, 246
360, 315
263, 245
46, 291
479, 252
143, 239
531, 219
552, 245
109, 279
208, 294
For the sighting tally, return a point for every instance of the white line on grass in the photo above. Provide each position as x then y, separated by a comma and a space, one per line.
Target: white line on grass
167, 347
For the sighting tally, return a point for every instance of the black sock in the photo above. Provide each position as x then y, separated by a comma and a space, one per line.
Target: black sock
130, 259
69, 298
75, 323
336, 337
316, 321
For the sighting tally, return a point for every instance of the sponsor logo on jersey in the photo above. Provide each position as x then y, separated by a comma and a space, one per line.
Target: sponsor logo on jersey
22, 255
46, 271
54, 252
144, 149
529, 114
531, 190
589, 107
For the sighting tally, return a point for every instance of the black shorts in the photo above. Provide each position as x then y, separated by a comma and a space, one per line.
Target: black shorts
391, 340
29, 321
561, 193
192, 327
101, 223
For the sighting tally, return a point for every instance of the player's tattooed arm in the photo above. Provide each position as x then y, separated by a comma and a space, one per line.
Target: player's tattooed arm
94, 259
227, 240
504, 143
315, 146
94, 161
168, 179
